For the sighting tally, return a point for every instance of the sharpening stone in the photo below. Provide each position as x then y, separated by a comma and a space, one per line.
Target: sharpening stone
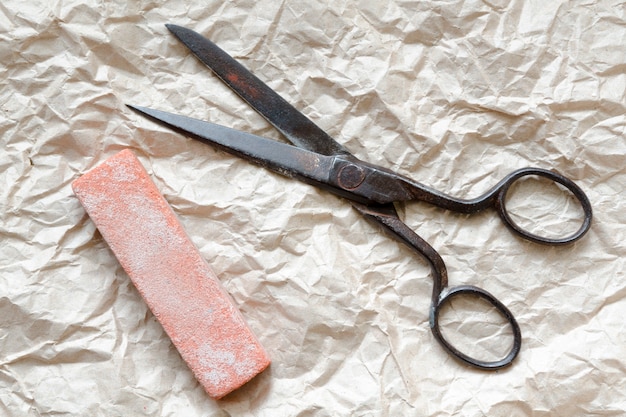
178, 285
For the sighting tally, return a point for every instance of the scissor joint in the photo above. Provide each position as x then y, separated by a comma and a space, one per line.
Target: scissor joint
351, 176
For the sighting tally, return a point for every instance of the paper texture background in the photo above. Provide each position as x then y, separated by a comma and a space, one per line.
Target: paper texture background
454, 94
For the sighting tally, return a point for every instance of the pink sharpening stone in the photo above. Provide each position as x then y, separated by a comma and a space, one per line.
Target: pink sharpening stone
178, 285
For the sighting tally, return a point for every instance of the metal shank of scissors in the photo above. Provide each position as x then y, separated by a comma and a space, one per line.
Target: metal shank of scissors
319, 160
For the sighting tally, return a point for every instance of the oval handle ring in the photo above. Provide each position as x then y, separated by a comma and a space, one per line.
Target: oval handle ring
567, 183
460, 290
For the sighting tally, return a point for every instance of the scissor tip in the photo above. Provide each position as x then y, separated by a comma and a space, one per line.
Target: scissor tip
139, 109
175, 29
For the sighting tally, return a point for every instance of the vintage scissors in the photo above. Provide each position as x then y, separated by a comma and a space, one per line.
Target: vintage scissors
319, 160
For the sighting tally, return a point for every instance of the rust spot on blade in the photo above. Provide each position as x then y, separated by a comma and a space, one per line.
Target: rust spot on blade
242, 86
233, 78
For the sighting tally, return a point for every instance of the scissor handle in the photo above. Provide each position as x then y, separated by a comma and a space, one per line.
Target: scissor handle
496, 197
387, 217
500, 205
445, 297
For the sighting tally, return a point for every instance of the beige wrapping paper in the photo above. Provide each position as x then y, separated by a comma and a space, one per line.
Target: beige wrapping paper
454, 94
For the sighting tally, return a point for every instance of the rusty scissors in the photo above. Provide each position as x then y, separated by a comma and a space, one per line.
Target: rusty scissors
319, 160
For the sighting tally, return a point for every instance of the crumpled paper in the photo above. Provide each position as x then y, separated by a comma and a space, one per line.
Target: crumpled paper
453, 94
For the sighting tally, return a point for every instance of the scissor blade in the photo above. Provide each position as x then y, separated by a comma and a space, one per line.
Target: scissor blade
279, 157
296, 127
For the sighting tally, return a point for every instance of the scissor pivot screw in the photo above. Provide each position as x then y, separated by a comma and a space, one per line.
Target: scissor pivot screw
351, 176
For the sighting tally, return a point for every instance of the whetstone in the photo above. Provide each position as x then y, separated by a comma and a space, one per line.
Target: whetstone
178, 285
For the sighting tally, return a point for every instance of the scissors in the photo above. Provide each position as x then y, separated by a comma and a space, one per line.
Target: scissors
317, 159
